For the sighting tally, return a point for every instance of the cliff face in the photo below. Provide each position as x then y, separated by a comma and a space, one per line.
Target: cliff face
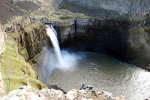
108, 8
15, 70
31, 40
127, 40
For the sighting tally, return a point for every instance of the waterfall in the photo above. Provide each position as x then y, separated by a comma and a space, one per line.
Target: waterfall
53, 36
55, 59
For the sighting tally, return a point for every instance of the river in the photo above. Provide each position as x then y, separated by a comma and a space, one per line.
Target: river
104, 73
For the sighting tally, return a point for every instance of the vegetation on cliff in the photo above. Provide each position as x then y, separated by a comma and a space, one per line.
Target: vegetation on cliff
16, 71
30, 40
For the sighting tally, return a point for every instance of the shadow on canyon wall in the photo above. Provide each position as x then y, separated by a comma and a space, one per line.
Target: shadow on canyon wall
122, 39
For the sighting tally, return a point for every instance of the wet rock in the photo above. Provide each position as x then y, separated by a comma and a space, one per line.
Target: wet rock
56, 88
147, 67
86, 87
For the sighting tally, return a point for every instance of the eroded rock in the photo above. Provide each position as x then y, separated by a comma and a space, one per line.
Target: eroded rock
26, 93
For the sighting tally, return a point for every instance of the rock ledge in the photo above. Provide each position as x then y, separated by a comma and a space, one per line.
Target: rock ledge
86, 93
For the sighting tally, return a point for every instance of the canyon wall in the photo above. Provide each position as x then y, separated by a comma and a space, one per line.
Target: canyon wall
27, 42
108, 8
31, 40
120, 28
127, 40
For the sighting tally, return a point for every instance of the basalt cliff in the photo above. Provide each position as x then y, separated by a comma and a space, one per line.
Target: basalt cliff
118, 28
108, 8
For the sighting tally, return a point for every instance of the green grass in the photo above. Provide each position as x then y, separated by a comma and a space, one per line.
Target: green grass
33, 27
23, 52
15, 70
65, 17
15, 35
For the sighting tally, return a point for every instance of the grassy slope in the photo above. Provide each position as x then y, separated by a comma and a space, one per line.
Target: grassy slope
16, 71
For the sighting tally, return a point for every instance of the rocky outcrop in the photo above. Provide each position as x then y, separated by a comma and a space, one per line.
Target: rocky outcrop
15, 70
108, 8
26, 93
31, 40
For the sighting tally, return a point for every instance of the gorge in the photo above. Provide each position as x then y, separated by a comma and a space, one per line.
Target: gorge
105, 44
67, 67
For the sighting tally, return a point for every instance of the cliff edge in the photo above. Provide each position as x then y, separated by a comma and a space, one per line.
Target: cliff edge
108, 8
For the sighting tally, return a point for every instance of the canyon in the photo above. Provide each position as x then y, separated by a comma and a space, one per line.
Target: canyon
119, 28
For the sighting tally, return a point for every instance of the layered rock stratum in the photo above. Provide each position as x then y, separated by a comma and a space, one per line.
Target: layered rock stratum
108, 8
